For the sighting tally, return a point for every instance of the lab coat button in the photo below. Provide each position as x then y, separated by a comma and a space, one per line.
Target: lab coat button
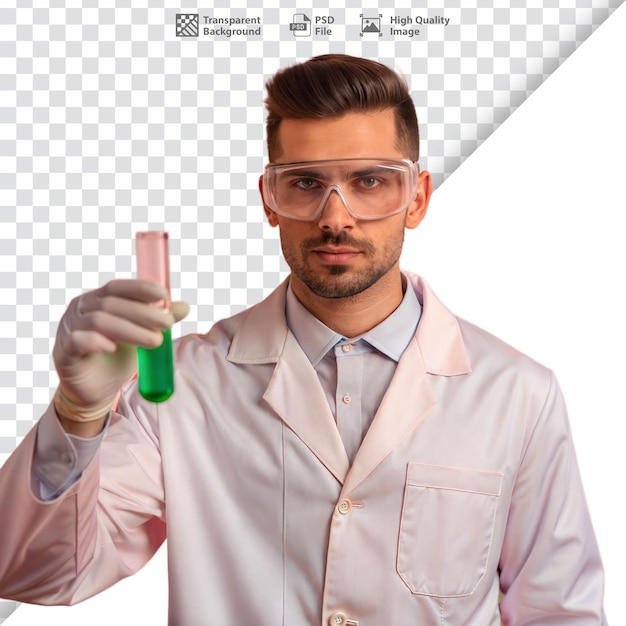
344, 506
339, 619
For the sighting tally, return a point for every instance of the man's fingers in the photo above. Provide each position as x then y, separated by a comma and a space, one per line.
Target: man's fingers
136, 291
79, 343
179, 310
101, 332
121, 312
122, 330
131, 289
139, 313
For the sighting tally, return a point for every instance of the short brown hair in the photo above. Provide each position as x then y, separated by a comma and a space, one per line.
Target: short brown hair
332, 85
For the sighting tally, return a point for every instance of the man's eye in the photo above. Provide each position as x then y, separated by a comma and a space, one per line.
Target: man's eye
369, 182
306, 183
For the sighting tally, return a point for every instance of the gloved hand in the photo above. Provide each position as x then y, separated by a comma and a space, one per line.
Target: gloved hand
95, 349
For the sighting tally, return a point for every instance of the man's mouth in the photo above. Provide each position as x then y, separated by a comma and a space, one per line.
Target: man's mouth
336, 254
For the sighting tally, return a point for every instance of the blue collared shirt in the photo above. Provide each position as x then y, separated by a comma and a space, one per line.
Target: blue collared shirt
355, 372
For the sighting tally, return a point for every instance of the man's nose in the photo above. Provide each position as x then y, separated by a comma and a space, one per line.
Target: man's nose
335, 215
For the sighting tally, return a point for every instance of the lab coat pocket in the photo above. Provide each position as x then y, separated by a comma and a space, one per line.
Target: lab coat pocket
446, 528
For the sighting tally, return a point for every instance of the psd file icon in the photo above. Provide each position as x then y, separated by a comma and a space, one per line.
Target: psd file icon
301, 25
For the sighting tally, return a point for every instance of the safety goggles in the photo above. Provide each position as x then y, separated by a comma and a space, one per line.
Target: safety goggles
370, 189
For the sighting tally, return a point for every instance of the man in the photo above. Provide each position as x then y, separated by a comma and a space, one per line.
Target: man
345, 452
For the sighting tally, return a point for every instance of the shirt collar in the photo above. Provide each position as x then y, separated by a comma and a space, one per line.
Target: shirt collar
391, 336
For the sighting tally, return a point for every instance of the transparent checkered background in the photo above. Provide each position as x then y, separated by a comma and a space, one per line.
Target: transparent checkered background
111, 124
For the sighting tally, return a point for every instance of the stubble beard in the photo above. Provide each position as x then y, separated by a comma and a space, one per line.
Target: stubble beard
340, 282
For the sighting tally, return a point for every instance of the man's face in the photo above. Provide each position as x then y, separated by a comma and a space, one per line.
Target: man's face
338, 255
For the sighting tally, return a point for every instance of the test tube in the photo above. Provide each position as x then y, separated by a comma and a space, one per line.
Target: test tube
155, 366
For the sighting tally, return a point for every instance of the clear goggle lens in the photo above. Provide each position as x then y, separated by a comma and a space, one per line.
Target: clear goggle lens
369, 188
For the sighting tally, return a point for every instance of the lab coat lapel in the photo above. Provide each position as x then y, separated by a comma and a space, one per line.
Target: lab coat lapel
296, 395
406, 404
294, 391
436, 350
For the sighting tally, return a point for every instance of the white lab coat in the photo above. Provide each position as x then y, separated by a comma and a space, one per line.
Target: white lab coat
465, 485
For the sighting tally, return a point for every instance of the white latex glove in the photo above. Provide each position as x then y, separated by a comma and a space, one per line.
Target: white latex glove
95, 349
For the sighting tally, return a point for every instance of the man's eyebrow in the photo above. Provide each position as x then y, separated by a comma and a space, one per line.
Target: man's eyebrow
304, 172
371, 170
323, 175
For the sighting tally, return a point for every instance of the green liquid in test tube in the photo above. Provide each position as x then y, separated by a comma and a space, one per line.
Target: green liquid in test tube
156, 366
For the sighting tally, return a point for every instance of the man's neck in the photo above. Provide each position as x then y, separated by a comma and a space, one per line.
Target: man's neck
354, 315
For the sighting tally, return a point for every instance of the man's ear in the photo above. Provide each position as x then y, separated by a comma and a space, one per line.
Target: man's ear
417, 208
272, 218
